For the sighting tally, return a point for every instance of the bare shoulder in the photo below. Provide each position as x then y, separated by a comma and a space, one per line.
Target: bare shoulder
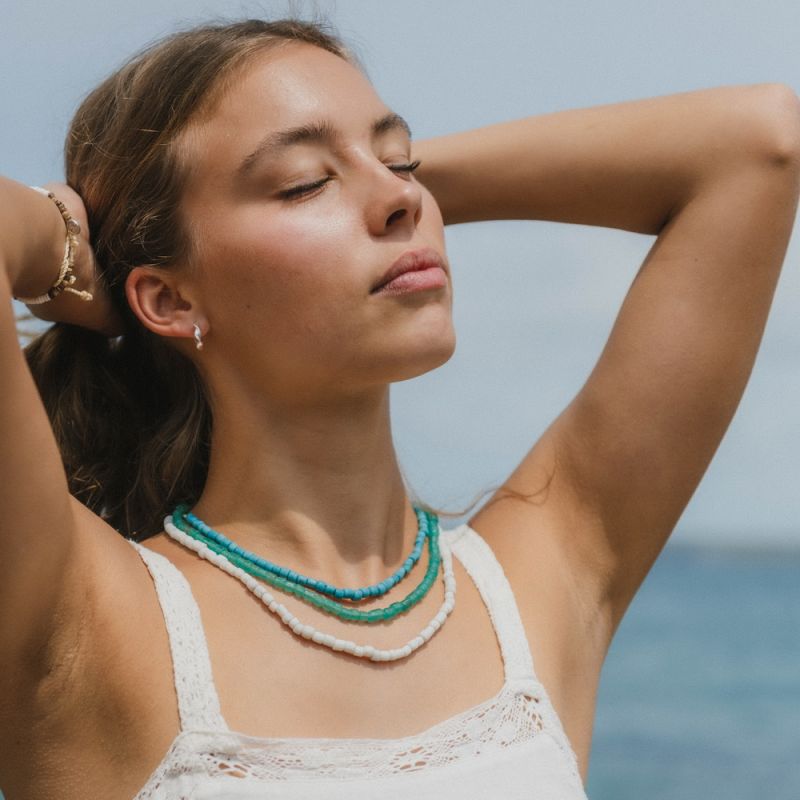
99, 574
115, 599
535, 525
84, 710
107, 600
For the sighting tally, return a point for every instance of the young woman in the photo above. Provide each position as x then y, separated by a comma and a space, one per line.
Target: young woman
263, 247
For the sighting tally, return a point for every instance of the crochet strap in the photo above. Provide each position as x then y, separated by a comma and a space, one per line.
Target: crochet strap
487, 573
198, 702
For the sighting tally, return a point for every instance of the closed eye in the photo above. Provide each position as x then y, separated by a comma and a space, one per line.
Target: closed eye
308, 188
405, 167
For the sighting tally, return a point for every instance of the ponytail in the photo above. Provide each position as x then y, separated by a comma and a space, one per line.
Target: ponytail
131, 419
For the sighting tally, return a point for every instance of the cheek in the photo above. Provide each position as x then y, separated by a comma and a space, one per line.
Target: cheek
296, 272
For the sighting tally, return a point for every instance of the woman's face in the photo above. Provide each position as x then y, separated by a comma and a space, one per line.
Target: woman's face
284, 275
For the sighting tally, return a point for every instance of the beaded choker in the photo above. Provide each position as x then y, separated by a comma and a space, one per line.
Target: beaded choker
211, 545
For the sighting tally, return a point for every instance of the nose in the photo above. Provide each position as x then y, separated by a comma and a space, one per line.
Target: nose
393, 202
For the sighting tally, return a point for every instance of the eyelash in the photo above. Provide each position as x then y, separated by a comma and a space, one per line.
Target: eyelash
298, 191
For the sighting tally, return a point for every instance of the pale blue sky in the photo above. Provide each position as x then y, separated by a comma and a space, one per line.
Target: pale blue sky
528, 336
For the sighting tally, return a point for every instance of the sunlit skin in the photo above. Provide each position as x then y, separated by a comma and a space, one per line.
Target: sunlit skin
299, 356
298, 353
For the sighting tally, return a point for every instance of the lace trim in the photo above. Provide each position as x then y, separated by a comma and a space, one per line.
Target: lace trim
519, 712
515, 715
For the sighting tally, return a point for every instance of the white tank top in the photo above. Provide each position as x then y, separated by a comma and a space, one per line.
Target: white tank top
511, 746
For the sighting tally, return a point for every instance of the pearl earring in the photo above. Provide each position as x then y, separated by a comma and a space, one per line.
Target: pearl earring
198, 339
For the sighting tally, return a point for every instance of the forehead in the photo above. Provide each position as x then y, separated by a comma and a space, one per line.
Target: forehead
281, 88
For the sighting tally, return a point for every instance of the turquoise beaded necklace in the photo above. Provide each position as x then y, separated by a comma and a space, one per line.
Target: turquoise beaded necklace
425, 522
299, 585
309, 632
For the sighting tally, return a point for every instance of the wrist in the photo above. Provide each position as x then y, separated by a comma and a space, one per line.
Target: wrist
66, 277
33, 242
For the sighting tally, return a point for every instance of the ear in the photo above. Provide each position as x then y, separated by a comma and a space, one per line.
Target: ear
163, 302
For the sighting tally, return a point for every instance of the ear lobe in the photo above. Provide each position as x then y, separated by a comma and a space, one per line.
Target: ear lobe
155, 297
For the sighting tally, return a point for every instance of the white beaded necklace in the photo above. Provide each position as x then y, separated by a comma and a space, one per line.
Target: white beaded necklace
311, 633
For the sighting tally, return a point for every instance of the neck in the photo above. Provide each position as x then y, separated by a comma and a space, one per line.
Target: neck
316, 488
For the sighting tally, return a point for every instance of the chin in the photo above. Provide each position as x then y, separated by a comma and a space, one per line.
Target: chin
422, 359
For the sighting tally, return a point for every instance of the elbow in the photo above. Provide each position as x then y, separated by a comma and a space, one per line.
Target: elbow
777, 126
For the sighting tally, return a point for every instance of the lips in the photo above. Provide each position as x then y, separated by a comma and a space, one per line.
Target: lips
411, 261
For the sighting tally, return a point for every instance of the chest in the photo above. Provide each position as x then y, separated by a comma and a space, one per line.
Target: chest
271, 683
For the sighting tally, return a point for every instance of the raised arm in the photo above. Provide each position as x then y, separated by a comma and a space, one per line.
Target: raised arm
38, 534
714, 174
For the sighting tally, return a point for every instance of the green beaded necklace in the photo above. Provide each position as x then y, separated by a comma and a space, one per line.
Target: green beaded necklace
317, 599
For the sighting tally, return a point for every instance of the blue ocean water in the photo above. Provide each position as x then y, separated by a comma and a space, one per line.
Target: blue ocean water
700, 693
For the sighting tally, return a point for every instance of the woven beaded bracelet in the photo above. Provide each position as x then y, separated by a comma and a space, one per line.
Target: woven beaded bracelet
66, 277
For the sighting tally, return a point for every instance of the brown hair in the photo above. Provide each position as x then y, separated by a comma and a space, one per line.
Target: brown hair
131, 415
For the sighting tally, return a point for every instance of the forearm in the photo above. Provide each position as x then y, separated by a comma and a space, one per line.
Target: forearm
32, 240
625, 165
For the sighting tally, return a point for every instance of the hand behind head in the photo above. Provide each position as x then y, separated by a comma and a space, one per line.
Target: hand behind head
97, 314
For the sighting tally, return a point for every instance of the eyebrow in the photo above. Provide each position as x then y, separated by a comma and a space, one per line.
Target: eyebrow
319, 131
